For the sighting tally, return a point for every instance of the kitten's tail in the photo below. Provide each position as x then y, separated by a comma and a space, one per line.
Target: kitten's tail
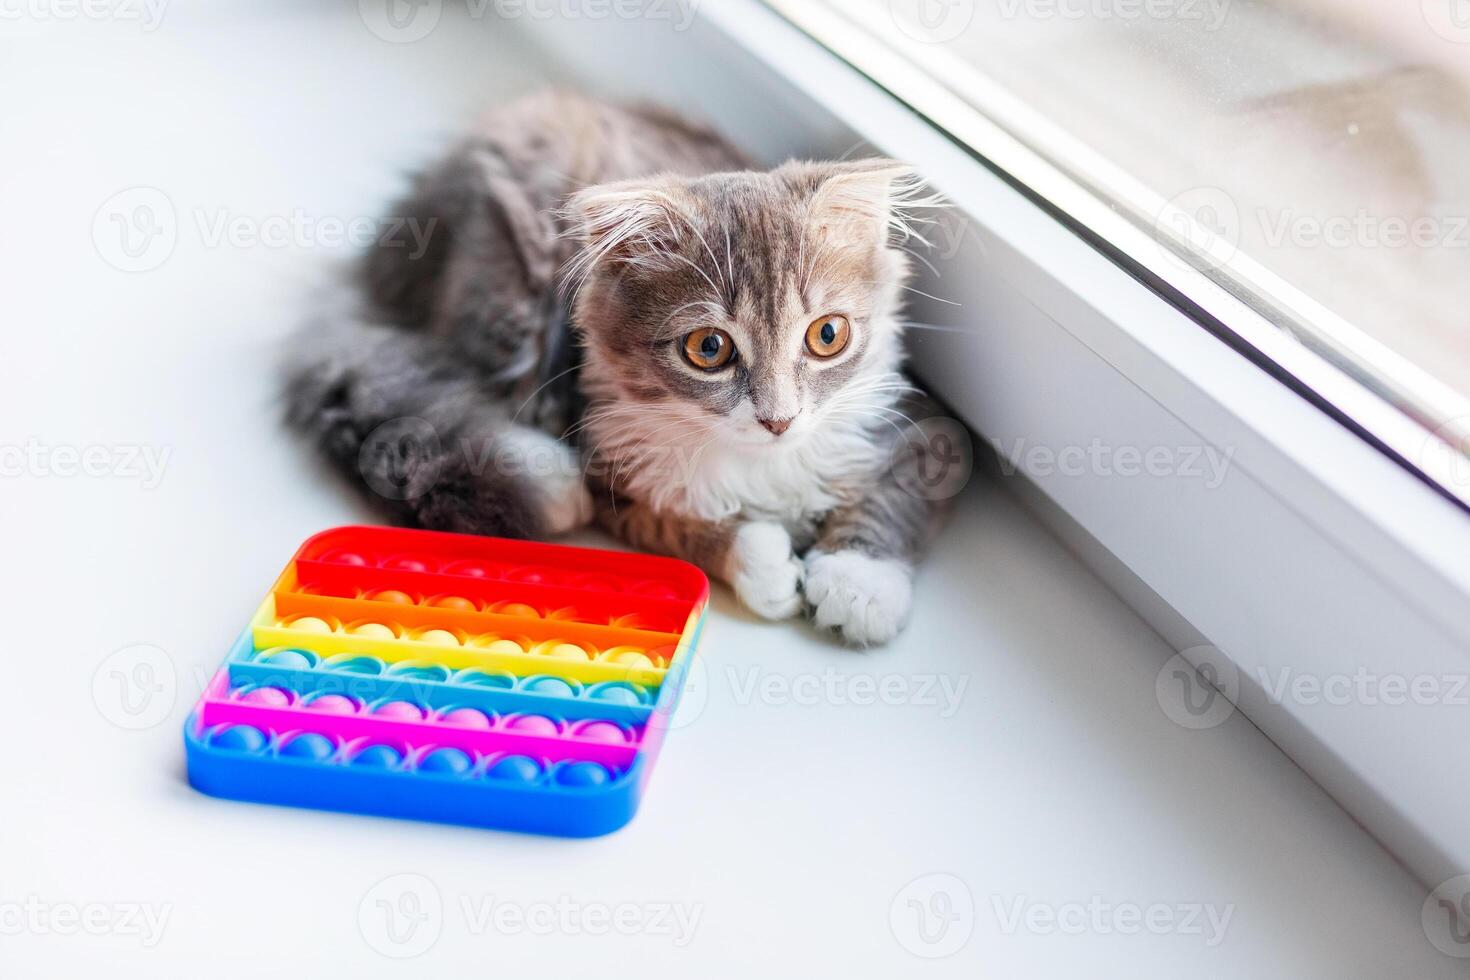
410, 425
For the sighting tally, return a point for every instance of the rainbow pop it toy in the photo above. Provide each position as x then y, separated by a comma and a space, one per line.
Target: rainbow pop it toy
446, 677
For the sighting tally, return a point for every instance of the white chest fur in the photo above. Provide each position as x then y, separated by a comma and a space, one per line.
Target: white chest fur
713, 478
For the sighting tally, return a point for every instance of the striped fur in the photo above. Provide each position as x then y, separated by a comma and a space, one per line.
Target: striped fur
575, 245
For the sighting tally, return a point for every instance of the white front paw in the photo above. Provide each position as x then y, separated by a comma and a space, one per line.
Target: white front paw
865, 599
763, 571
556, 473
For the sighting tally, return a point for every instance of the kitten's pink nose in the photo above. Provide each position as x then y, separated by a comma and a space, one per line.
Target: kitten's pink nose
775, 426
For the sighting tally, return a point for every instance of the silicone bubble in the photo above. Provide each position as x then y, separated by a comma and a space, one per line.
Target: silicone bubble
418, 670
662, 656
335, 591
655, 589
406, 563
342, 557
373, 631
627, 657
466, 718
448, 761
354, 665
239, 738
270, 697
518, 609
378, 756
293, 659
567, 614
334, 704
492, 644
530, 575
533, 725
476, 677
632, 621
597, 583
582, 774
550, 686
601, 731
565, 651
399, 711
471, 569
440, 638
454, 602
515, 768
309, 624
617, 692
393, 596
309, 745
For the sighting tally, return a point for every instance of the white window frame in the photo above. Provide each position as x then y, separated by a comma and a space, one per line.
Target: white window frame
1319, 554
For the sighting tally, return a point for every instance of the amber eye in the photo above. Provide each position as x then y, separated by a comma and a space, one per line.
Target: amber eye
708, 349
828, 335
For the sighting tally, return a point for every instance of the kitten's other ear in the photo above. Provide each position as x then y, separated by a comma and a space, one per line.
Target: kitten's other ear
863, 201
633, 221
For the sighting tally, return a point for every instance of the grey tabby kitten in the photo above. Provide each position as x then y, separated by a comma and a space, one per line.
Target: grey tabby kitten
730, 370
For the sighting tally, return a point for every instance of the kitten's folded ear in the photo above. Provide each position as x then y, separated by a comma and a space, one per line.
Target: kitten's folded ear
863, 200
629, 221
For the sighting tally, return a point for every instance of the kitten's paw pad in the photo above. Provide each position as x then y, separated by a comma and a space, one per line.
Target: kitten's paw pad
765, 574
865, 599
